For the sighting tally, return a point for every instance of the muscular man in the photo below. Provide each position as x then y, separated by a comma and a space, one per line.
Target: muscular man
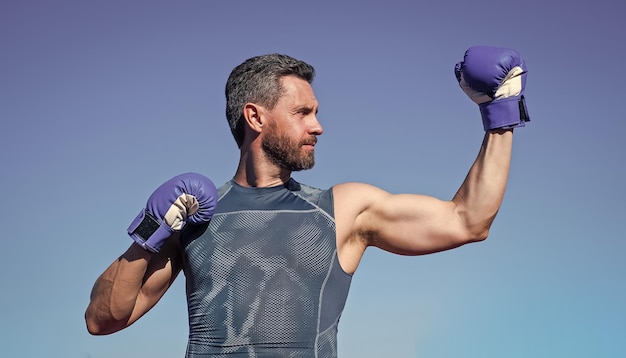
269, 267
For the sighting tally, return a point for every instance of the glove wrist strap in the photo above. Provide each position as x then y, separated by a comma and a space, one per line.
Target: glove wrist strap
147, 232
504, 114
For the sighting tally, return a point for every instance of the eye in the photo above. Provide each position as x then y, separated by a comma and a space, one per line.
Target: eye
303, 112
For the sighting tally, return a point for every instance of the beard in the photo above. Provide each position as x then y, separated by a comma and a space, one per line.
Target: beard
286, 153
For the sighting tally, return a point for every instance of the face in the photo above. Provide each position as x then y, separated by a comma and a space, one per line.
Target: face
292, 127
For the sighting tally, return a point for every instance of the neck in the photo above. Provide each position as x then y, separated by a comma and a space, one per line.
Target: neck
257, 171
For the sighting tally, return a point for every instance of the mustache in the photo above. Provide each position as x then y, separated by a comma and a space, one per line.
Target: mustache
310, 141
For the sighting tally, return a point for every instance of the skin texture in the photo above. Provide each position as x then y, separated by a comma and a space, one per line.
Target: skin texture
282, 140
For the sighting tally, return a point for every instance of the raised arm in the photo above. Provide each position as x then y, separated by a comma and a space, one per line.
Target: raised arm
411, 224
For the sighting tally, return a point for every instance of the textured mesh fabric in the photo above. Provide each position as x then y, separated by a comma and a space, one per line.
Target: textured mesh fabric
263, 278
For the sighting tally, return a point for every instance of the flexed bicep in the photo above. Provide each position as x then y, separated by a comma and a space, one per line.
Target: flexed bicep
413, 224
406, 224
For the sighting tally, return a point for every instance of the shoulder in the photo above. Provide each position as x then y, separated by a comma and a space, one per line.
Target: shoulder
354, 195
354, 200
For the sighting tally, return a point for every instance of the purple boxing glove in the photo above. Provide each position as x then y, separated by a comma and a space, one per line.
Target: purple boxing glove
188, 197
495, 79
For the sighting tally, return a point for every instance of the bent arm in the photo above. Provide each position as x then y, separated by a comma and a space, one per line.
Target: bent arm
130, 287
411, 224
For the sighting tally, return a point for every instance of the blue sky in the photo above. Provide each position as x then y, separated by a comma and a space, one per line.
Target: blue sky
101, 101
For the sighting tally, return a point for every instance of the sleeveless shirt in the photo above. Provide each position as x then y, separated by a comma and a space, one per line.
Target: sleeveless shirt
263, 278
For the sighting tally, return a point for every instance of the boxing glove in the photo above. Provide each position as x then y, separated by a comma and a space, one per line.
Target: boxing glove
188, 197
495, 79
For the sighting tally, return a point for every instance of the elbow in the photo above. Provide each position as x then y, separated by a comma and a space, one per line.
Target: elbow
473, 227
99, 327
472, 236
481, 236
93, 327
479, 231
95, 330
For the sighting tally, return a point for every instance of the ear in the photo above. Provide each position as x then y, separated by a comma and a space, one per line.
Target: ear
253, 113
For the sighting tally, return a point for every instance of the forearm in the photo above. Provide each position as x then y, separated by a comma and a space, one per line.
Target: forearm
115, 292
480, 196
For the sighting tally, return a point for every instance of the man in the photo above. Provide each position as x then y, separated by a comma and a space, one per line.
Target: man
268, 261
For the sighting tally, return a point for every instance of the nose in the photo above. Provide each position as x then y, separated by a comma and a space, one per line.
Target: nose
315, 127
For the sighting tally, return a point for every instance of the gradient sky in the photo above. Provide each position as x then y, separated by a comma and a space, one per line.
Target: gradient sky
101, 101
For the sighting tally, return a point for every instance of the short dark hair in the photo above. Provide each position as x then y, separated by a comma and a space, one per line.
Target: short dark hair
257, 80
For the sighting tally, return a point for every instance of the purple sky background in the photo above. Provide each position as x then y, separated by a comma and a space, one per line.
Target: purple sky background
100, 102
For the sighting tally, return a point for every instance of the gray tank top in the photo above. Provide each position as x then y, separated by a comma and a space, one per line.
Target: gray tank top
263, 278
